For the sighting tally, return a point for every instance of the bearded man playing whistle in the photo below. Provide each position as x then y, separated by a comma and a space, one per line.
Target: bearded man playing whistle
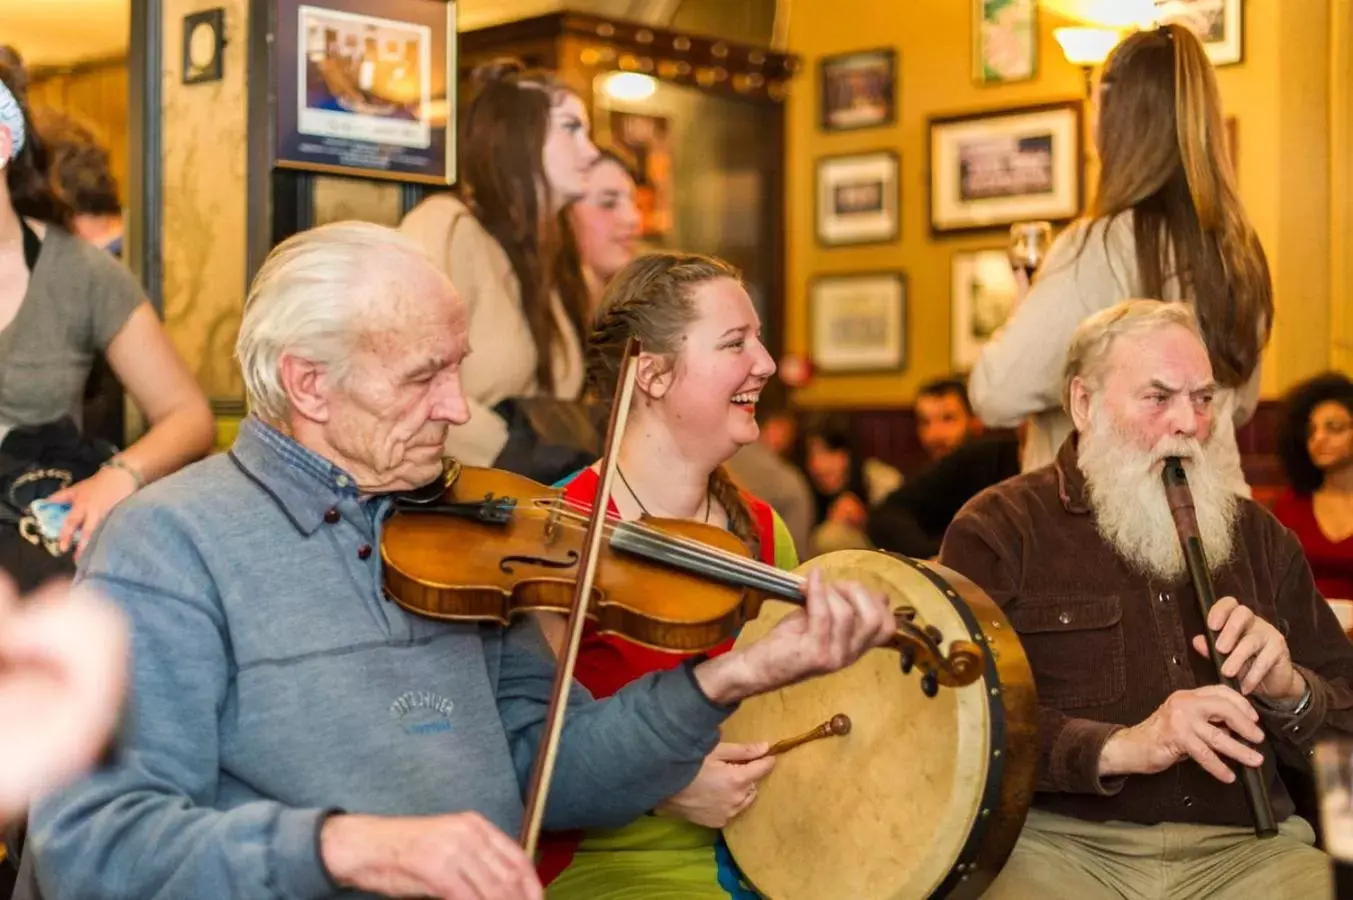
1137, 792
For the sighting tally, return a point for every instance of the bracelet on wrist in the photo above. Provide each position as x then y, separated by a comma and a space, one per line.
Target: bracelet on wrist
118, 462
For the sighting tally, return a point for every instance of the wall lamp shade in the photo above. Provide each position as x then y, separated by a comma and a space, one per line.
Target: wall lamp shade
1086, 46
629, 86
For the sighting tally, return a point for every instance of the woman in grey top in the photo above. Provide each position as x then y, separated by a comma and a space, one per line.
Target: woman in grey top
1166, 224
63, 300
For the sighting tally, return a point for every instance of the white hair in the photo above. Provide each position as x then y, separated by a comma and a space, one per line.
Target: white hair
1094, 338
314, 297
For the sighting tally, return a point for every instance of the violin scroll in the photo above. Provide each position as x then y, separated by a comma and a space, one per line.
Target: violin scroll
919, 647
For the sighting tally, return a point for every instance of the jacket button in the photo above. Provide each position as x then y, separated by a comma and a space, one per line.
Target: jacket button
1064, 618
364, 551
331, 515
1188, 801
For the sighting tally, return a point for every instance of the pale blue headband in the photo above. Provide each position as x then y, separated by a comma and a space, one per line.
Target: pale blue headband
11, 117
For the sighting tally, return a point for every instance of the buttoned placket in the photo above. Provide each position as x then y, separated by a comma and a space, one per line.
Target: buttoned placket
355, 540
1164, 600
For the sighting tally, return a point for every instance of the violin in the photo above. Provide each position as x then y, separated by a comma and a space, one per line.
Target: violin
487, 545
669, 584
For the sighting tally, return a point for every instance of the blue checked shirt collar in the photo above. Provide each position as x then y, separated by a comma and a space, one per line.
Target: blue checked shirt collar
304, 484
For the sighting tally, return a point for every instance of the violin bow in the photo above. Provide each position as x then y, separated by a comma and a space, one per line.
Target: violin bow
548, 751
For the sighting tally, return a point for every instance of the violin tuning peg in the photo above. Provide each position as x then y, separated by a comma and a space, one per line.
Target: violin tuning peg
934, 634
930, 684
908, 655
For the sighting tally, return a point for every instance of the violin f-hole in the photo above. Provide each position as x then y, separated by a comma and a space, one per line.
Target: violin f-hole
570, 560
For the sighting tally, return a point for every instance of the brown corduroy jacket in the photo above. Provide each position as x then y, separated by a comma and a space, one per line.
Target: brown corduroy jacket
1108, 644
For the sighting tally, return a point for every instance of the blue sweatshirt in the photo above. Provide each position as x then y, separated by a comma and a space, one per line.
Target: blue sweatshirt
273, 683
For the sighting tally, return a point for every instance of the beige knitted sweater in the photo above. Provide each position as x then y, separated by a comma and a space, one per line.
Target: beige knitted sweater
502, 360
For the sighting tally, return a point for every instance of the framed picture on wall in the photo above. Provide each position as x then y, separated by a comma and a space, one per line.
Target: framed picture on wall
1005, 40
1219, 24
982, 294
367, 88
858, 322
991, 169
859, 90
858, 197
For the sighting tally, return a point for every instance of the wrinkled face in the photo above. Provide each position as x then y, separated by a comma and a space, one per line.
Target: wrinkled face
1156, 401
827, 466
942, 423
708, 397
569, 151
388, 416
1329, 436
1158, 390
606, 221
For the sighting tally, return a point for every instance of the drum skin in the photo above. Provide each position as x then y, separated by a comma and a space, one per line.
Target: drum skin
924, 797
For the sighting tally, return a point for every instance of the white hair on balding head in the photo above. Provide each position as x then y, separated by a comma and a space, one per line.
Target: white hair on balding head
1094, 338
315, 296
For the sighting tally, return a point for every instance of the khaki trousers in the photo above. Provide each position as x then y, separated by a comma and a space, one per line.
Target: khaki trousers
1058, 857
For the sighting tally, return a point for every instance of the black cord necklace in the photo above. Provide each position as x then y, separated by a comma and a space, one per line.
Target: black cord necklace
621, 472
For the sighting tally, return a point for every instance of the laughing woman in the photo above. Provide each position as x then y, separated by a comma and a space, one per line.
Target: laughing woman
697, 383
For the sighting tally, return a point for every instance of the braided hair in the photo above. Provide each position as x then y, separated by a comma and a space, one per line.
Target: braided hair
653, 299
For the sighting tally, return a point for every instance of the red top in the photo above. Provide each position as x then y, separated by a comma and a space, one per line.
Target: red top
1331, 562
607, 663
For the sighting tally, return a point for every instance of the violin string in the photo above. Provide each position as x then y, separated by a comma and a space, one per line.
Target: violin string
690, 550
698, 555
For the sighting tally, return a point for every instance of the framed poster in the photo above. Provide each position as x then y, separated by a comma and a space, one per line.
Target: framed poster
991, 169
1005, 41
858, 197
366, 87
1219, 24
859, 90
982, 294
859, 322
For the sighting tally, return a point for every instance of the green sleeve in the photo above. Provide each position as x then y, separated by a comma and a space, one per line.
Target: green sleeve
786, 556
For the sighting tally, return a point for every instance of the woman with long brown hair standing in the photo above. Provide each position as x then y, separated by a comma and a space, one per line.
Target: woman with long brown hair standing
525, 153
1166, 224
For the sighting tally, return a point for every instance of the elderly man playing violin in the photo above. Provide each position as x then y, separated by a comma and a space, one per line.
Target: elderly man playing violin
1140, 780
293, 732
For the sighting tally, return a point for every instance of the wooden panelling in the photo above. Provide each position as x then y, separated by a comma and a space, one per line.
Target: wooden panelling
96, 94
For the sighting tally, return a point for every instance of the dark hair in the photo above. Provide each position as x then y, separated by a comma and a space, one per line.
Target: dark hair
503, 180
27, 175
942, 387
1302, 475
568, 264
652, 299
1163, 153
81, 171
836, 430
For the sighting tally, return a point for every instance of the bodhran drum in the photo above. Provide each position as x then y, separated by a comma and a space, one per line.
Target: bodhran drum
923, 796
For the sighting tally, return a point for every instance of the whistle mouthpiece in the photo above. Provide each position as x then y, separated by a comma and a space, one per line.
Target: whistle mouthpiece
1173, 473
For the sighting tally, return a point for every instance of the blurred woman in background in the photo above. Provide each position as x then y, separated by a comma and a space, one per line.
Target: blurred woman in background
525, 156
600, 231
1166, 224
1315, 443
62, 301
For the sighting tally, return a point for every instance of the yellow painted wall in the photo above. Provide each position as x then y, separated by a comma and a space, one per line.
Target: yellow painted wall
1280, 95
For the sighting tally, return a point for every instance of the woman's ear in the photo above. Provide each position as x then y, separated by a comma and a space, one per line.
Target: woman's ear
654, 376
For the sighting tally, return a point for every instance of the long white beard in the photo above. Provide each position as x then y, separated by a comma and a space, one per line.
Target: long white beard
1127, 496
